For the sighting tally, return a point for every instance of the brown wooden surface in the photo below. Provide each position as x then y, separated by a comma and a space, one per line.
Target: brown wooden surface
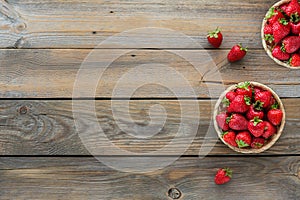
77, 24
42, 46
52, 73
48, 128
86, 178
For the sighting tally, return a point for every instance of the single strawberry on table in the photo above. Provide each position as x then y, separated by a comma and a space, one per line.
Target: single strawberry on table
215, 38
243, 139
295, 60
229, 137
279, 53
240, 104
269, 130
221, 121
275, 115
257, 143
281, 28
291, 44
236, 53
256, 126
223, 176
237, 122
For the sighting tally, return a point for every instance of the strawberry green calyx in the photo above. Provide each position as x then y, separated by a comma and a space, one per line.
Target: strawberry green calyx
295, 17
214, 34
228, 172
247, 100
256, 121
241, 143
228, 119
283, 21
282, 48
258, 105
224, 133
270, 13
226, 102
245, 85
269, 38
275, 106
258, 145
243, 48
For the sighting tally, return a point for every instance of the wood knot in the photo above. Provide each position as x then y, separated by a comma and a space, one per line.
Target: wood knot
174, 193
23, 110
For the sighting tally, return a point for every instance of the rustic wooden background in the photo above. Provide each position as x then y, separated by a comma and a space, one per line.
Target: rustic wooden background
43, 44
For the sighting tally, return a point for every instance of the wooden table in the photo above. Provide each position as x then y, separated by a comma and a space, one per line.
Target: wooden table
43, 44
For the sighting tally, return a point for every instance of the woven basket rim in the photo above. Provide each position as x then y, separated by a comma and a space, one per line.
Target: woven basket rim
274, 138
279, 3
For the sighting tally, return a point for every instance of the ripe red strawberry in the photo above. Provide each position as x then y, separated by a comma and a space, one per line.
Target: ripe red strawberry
295, 60
215, 38
291, 44
236, 53
295, 28
255, 112
256, 127
293, 8
244, 89
240, 104
230, 95
264, 97
221, 121
243, 139
283, 7
256, 90
275, 115
279, 53
269, 130
223, 176
257, 143
268, 29
273, 15
237, 122
281, 29
229, 137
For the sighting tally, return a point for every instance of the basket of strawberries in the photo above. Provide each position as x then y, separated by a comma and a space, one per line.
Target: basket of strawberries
281, 33
249, 117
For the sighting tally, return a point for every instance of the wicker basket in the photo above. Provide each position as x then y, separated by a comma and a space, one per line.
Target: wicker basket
270, 141
265, 44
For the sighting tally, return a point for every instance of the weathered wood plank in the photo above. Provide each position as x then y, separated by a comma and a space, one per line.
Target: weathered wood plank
86, 178
48, 128
52, 73
78, 24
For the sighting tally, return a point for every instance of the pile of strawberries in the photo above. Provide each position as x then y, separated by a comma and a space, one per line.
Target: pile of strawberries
282, 32
249, 116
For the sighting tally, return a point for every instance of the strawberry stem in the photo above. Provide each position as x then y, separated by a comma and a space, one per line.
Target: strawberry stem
247, 100
258, 105
270, 13
243, 48
214, 34
256, 121
241, 143
228, 172
244, 85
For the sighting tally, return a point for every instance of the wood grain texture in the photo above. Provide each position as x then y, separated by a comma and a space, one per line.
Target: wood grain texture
84, 24
47, 128
86, 178
48, 73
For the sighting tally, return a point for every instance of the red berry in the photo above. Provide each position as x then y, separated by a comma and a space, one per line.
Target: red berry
215, 38
293, 8
244, 89
264, 97
229, 137
223, 176
257, 143
237, 122
236, 53
280, 54
295, 60
240, 104
254, 112
273, 15
230, 95
243, 139
256, 127
281, 29
268, 29
221, 121
295, 28
275, 116
269, 130
291, 44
